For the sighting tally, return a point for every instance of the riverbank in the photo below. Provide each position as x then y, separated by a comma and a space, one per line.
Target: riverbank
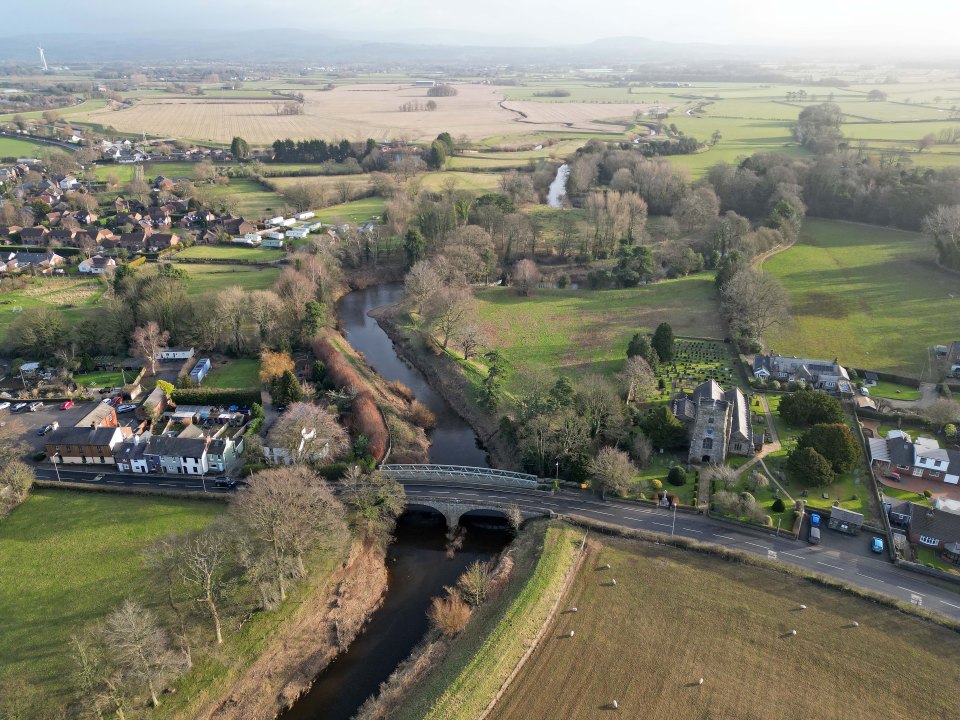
330, 616
449, 382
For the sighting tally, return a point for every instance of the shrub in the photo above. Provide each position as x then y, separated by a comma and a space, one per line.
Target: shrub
758, 481
725, 475
677, 476
421, 415
214, 396
474, 584
656, 484
449, 615
774, 384
402, 390
39, 456
927, 494
778, 505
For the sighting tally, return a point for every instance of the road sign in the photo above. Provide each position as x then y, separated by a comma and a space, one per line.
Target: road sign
771, 554
916, 599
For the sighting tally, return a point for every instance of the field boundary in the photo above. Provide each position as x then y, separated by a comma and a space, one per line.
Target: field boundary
572, 572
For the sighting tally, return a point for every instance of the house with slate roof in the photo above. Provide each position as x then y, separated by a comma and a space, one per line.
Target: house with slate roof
829, 376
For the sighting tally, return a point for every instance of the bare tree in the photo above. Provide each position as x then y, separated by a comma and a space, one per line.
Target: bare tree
943, 227
447, 310
375, 501
147, 342
203, 565
265, 308
295, 290
525, 276
475, 583
421, 282
611, 471
286, 513
140, 647
472, 338
639, 378
943, 412
231, 307
16, 479
754, 301
309, 432
100, 684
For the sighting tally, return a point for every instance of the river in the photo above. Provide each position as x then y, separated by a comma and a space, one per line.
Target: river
453, 441
417, 565
558, 188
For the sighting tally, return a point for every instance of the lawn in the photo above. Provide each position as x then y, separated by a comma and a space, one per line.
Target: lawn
101, 379
231, 252
676, 615
582, 332
356, 212
251, 199
66, 559
75, 298
243, 373
929, 558
203, 278
855, 288
894, 391
18, 148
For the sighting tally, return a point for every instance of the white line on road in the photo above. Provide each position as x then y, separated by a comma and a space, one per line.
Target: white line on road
597, 512
909, 590
167, 484
141, 483
691, 530
798, 557
496, 497
950, 604
544, 502
469, 494
747, 542
835, 567
869, 577
725, 537
662, 524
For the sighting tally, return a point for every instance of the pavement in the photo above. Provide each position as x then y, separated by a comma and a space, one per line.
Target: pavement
842, 557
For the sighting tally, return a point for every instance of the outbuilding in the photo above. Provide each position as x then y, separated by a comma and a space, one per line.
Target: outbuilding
845, 521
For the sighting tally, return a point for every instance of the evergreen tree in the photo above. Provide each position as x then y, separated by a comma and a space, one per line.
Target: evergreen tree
663, 342
414, 246
286, 389
239, 148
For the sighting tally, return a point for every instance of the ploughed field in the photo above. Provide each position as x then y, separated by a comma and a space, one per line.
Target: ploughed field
676, 616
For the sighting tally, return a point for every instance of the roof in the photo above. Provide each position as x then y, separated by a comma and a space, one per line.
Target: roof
710, 390
217, 447
944, 526
900, 451
177, 447
83, 436
870, 376
741, 416
839, 513
879, 450
99, 413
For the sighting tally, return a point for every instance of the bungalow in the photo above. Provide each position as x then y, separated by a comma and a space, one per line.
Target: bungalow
97, 265
83, 445
819, 374
175, 455
273, 243
298, 233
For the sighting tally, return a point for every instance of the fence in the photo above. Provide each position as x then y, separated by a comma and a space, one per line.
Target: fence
489, 476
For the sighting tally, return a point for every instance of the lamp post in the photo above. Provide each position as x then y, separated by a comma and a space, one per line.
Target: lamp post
56, 465
800, 526
779, 519
673, 527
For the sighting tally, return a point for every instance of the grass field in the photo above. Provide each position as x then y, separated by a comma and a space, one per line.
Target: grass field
105, 378
243, 373
18, 148
66, 559
484, 655
202, 278
231, 252
356, 212
581, 332
75, 298
676, 616
871, 296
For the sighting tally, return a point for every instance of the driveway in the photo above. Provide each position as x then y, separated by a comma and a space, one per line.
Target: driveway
928, 393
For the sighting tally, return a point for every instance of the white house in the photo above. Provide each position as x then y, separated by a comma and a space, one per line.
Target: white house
273, 235
174, 354
177, 456
250, 239
271, 243
97, 265
289, 222
304, 215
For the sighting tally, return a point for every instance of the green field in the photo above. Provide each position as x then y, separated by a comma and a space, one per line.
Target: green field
869, 295
231, 252
203, 278
581, 332
105, 378
75, 298
18, 148
356, 212
243, 373
66, 559
676, 616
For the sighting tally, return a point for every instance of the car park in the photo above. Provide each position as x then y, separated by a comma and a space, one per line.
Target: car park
67, 404
876, 545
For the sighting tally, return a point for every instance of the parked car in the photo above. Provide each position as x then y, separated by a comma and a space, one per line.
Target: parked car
876, 544
19, 407
67, 404
4, 405
107, 401
49, 427
895, 476
227, 483
813, 536
117, 401
34, 406
126, 407
865, 391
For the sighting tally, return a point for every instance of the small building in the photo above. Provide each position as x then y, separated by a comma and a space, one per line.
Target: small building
273, 243
200, 370
273, 235
251, 239
304, 215
298, 233
101, 416
845, 521
870, 379
425, 83
174, 354
275, 221
83, 445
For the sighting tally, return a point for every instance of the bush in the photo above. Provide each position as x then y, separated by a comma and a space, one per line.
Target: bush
927, 494
333, 471
656, 484
778, 505
421, 415
474, 584
39, 456
677, 476
449, 615
402, 390
215, 396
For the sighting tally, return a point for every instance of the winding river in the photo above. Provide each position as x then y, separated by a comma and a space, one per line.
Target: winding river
417, 564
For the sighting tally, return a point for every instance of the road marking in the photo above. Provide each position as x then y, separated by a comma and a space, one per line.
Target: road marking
909, 590
691, 530
141, 483
469, 494
116, 482
798, 557
167, 484
597, 512
950, 604
544, 502
869, 577
497, 497
662, 524
835, 567
747, 542
441, 492
725, 537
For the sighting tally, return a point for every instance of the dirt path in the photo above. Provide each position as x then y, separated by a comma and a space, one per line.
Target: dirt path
326, 624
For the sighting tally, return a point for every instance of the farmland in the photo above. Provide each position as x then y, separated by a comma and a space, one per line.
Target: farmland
74, 298
67, 558
357, 211
678, 615
854, 287
17, 148
582, 332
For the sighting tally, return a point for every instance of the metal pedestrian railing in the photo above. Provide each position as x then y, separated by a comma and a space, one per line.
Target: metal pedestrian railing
490, 476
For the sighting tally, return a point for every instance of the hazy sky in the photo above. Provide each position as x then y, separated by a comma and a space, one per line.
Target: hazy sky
921, 23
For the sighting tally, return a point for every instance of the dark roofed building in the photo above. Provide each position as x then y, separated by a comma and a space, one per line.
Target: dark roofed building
83, 445
718, 421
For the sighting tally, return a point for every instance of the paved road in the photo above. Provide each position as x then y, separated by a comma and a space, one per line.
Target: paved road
842, 557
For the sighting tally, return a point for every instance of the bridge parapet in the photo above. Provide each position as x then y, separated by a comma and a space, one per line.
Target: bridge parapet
453, 509
486, 476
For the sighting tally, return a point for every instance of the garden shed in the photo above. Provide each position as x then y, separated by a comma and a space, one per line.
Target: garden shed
845, 521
